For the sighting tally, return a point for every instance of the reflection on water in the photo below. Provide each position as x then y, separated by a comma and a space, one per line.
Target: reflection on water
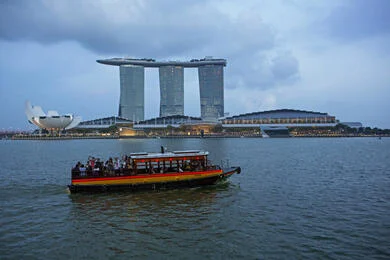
161, 204
160, 222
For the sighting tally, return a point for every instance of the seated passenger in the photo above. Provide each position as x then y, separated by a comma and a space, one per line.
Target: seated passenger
187, 167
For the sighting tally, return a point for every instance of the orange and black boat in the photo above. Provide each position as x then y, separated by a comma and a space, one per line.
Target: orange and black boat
149, 171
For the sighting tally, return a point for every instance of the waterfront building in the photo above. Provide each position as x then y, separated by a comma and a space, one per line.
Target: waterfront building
211, 86
51, 120
132, 94
163, 122
171, 90
287, 117
105, 122
211, 92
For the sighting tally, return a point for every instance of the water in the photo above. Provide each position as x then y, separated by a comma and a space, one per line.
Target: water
296, 198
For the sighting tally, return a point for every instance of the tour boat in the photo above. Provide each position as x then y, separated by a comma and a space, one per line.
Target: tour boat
149, 171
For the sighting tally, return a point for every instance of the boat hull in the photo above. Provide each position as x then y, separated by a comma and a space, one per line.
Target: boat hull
146, 186
151, 182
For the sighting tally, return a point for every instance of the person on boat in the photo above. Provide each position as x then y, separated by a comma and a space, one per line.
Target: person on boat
124, 162
96, 167
77, 166
98, 164
126, 167
195, 166
186, 167
116, 165
82, 170
128, 163
110, 166
91, 163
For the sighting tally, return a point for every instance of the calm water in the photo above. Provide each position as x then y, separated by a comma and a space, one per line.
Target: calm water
296, 198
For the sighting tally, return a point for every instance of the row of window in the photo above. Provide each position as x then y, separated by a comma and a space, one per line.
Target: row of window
281, 120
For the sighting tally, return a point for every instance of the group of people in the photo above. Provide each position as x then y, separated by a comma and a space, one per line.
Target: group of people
116, 166
96, 166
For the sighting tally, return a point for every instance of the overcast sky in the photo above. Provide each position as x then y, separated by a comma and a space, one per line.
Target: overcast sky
328, 56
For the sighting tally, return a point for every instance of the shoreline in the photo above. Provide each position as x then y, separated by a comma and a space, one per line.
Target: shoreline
15, 137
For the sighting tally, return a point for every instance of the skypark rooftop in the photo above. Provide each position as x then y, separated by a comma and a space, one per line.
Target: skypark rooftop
151, 63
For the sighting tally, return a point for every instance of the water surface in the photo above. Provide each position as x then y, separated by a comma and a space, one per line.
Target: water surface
296, 198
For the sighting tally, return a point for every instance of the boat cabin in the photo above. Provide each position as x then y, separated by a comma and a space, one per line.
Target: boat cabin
177, 161
146, 163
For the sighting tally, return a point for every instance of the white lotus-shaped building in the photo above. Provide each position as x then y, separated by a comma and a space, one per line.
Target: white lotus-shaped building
51, 120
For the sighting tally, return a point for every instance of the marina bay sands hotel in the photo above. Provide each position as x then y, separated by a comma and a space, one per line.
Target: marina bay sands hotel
171, 76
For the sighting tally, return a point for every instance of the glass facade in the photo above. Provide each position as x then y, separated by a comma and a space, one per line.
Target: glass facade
211, 92
171, 90
131, 101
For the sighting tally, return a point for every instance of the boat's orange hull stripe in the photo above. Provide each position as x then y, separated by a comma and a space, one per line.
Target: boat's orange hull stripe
146, 179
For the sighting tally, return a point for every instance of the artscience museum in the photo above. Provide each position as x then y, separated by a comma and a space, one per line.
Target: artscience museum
51, 120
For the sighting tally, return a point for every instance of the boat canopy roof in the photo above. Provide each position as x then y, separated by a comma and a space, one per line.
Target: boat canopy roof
174, 154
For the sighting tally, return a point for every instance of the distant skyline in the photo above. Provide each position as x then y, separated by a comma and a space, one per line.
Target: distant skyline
323, 56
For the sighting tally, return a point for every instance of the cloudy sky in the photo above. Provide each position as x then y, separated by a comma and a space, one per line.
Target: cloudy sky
328, 56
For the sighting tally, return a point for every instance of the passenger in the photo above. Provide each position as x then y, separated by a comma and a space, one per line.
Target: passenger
82, 170
116, 165
128, 163
91, 162
96, 168
187, 167
88, 167
76, 168
98, 164
110, 166
92, 166
105, 167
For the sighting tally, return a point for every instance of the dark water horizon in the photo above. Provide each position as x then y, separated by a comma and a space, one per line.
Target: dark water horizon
315, 198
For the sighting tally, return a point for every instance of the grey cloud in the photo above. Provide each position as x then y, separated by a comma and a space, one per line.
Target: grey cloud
155, 29
359, 19
259, 70
284, 66
150, 30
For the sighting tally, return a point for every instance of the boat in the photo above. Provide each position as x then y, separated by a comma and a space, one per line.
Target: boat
149, 171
